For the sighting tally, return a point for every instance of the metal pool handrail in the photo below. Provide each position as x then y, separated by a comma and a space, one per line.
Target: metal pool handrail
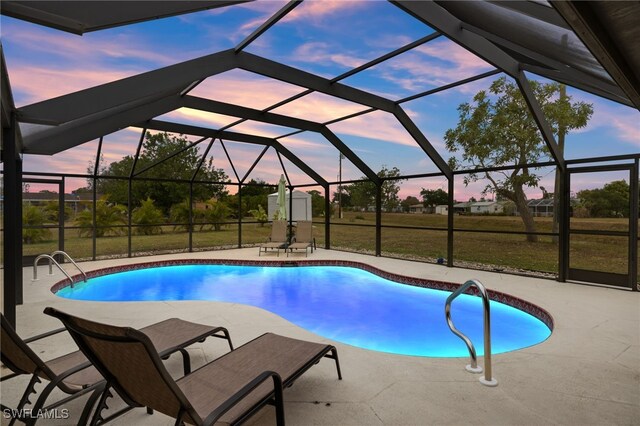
487, 380
84, 275
52, 261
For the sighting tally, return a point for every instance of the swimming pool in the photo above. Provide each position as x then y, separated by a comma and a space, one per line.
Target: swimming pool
346, 304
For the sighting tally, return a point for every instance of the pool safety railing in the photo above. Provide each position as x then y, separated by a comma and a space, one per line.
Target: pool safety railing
487, 380
52, 262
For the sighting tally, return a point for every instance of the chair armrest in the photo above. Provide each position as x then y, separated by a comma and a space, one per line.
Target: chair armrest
43, 335
246, 389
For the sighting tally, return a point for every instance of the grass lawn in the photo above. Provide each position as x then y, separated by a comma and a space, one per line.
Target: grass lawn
604, 253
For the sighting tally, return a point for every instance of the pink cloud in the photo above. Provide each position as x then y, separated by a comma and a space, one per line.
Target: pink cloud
54, 63
319, 154
89, 48
319, 107
198, 118
261, 129
267, 169
620, 120
431, 65
73, 161
320, 52
314, 12
375, 125
449, 51
33, 84
244, 88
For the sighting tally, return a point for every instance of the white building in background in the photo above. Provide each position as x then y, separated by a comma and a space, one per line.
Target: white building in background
442, 209
486, 207
416, 208
301, 205
473, 207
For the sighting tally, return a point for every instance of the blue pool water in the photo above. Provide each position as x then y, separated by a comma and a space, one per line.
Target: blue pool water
345, 304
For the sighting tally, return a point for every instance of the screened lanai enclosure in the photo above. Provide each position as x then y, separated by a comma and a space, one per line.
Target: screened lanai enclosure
493, 135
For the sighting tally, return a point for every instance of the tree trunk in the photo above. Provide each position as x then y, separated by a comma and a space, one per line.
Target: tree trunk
525, 214
562, 131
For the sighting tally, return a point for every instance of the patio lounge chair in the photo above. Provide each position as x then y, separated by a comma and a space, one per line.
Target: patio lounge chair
304, 237
229, 389
74, 374
278, 239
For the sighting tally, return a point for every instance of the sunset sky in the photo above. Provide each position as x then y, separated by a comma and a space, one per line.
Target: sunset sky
323, 37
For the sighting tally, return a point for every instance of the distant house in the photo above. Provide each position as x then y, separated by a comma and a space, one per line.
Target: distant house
442, 209
462, 208
77, 202
486, 207
474, 207
416, 208
542, 207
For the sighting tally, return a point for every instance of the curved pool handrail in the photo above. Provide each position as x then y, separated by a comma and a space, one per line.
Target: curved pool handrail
52, 261
473, 367
84, 275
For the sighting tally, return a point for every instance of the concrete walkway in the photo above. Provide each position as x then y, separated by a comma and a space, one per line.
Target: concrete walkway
587, 372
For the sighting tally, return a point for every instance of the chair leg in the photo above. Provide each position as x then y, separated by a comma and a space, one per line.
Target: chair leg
279, 400
84, 417
186, 361
179, 421
228, 337
30, 390
41, 400
102, 405
334, 356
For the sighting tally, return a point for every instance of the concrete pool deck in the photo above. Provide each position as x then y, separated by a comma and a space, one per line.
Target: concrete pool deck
587, 372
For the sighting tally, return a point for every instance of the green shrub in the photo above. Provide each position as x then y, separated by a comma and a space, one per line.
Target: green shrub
149, 216
51, 211
260, 215
216, 213
33, 216
179, 213
108, 216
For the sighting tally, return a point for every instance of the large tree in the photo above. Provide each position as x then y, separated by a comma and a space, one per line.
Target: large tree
408, 202
434, 197
363, 194
496, 129
155, 148
612, 200
317, 203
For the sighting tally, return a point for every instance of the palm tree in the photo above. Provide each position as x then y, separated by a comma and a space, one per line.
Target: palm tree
179, 213
108, 217
33, 216
148, 215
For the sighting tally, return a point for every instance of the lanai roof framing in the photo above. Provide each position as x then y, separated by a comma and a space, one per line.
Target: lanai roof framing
73, 119
78, 117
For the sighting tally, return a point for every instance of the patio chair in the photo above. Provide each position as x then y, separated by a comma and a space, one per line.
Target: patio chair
278, 239
229, 389
73, 373
304, 238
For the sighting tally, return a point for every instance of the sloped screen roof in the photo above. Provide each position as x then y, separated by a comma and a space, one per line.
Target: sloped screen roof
81, 17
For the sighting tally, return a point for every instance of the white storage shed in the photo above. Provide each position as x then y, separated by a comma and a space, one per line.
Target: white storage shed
301, 205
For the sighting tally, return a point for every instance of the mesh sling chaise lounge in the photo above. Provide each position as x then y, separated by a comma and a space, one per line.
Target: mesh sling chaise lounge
278, 239
304, 238
227, 390
74, 374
